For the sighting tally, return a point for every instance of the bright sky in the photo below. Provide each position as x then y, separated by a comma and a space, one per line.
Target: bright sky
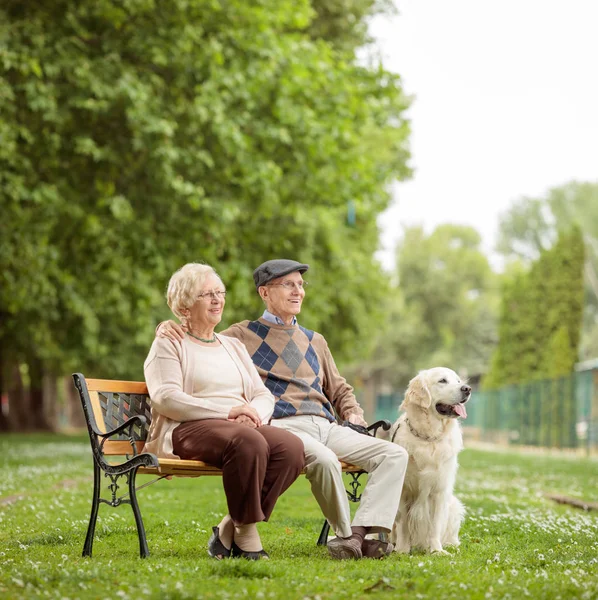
505, 105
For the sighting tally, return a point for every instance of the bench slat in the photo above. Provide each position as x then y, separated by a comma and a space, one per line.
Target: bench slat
121, 447
110, 385
97, 411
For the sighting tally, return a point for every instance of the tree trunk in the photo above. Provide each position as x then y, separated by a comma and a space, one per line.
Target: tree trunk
4, 423
51, 405
76, 418
18, 401
37, 408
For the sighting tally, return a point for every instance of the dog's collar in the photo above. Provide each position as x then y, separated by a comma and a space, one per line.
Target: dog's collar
422, 437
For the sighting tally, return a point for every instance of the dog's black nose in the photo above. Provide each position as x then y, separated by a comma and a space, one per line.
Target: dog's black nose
466, 389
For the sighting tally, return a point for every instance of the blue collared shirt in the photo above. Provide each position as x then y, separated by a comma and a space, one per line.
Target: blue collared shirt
268, 316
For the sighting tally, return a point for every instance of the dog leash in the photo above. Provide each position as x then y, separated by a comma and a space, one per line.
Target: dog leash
392, 439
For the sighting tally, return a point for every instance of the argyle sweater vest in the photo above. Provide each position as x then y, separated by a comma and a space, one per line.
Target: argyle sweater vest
292, 362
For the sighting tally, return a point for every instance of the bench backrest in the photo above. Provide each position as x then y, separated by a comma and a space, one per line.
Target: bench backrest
108, 403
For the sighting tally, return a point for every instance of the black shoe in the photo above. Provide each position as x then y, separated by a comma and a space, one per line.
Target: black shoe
216, 549
236, 552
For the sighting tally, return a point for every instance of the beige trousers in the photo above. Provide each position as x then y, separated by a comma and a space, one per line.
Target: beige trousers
325, 443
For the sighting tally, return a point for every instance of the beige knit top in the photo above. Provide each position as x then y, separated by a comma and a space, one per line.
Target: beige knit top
171, 369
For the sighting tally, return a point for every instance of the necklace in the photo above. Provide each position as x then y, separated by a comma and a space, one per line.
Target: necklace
202, 339
426, 438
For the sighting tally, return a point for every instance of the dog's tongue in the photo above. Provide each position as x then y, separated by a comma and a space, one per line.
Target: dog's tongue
460, 410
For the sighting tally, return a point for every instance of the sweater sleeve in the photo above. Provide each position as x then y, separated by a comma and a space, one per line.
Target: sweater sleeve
236, 330
164, 378
335, 386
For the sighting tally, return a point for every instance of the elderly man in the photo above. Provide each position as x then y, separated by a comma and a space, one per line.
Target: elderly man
297, 367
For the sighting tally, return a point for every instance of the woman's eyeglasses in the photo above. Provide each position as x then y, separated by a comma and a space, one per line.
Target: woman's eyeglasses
214, 294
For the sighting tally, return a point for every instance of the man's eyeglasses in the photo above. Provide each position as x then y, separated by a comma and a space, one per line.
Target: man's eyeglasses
290, 285
217, 294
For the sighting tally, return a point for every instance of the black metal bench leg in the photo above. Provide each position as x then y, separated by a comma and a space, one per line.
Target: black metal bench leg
143, 548
95, 504
323, 539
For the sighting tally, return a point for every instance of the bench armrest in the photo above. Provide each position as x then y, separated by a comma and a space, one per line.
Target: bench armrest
373, 428
134, 420
127, 427
370, 430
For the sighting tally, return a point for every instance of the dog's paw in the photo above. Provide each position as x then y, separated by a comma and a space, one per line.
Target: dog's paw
402, 548
439, 552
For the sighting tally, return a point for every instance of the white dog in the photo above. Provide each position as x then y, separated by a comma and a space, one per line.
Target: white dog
429, 515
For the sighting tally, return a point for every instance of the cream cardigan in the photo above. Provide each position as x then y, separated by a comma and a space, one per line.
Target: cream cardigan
169, 371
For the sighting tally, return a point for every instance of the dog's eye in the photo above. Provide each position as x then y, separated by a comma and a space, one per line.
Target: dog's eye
443, 381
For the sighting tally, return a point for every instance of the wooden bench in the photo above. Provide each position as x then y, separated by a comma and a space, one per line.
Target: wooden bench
118, 415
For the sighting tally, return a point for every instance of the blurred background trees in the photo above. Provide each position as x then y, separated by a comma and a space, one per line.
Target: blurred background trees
533, 225
137, 137
442, 308
541, 316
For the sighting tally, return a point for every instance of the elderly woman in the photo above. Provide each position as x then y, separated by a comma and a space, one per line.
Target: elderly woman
209, 404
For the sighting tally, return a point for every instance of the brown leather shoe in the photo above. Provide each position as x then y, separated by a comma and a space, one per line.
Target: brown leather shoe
345, 548
376, 549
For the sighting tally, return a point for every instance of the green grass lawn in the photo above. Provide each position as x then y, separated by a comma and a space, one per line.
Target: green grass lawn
514, 543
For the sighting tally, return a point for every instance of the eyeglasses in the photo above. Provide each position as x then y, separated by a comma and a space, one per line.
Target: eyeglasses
217, 294
290, 285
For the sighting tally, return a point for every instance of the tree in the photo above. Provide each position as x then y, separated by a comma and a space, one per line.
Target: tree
443, 310
345, 22
139, 136
533, 224
541, 314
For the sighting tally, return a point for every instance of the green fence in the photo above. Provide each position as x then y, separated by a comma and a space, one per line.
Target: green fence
552, 413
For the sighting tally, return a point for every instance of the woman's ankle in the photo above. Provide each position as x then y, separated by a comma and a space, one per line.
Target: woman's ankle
247, 538
226, 531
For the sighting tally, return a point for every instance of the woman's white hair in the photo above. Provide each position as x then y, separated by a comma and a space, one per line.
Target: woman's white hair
183, 287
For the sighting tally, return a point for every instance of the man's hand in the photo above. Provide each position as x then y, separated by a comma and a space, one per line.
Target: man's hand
357, 420
246, 411
171, 330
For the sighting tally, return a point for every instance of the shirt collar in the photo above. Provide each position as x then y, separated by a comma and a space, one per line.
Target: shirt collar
268, 316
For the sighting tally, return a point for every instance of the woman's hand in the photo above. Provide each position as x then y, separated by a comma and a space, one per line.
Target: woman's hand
246, 411
245, 420
171, 330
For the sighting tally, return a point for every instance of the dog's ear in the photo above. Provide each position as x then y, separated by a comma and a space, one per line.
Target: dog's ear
417, 394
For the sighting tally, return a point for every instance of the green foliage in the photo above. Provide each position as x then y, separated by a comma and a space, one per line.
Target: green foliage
540, 318
533, 224
443, 311
559, 358
137, 137
344, 22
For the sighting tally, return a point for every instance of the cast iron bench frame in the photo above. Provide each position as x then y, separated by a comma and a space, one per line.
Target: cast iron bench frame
121, 410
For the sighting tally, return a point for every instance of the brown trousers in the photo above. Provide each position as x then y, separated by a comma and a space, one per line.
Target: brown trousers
258, 465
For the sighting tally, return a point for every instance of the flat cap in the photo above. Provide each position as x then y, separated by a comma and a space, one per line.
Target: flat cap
273, 269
